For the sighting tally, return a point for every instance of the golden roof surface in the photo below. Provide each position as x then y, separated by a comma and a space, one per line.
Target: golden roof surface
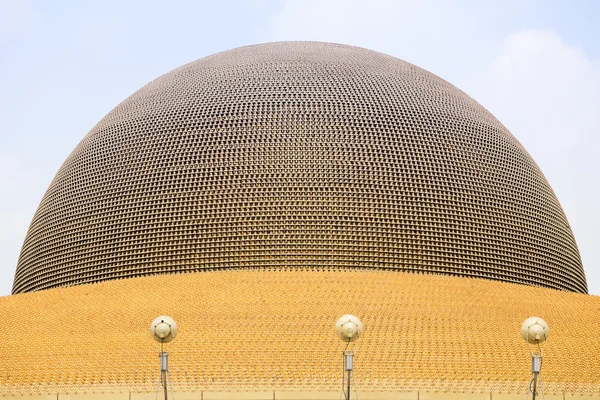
263, 329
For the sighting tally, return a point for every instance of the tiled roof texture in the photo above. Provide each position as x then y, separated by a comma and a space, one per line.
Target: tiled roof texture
303, 155
274, 329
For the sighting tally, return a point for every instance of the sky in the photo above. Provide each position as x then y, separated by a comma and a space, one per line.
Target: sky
534, 64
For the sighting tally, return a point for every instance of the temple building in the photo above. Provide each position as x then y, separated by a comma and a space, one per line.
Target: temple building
258, 194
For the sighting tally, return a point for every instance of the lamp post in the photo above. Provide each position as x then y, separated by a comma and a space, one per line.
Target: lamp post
348, 328
535, 331
163, 329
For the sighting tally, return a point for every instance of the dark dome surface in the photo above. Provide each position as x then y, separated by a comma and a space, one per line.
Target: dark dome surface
299, 155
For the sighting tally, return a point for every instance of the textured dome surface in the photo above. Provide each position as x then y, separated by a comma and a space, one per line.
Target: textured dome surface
299, 155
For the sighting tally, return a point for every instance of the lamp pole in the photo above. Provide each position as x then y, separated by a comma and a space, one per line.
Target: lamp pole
348, 365
535, 331
164, 370
163, 329
536, 366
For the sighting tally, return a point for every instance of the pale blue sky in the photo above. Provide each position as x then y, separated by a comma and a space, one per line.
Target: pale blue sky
65, 64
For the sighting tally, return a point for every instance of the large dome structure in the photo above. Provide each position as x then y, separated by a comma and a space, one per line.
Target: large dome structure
299, 156
306, 181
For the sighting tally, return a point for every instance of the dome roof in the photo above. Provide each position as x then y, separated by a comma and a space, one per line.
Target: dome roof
299, 156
